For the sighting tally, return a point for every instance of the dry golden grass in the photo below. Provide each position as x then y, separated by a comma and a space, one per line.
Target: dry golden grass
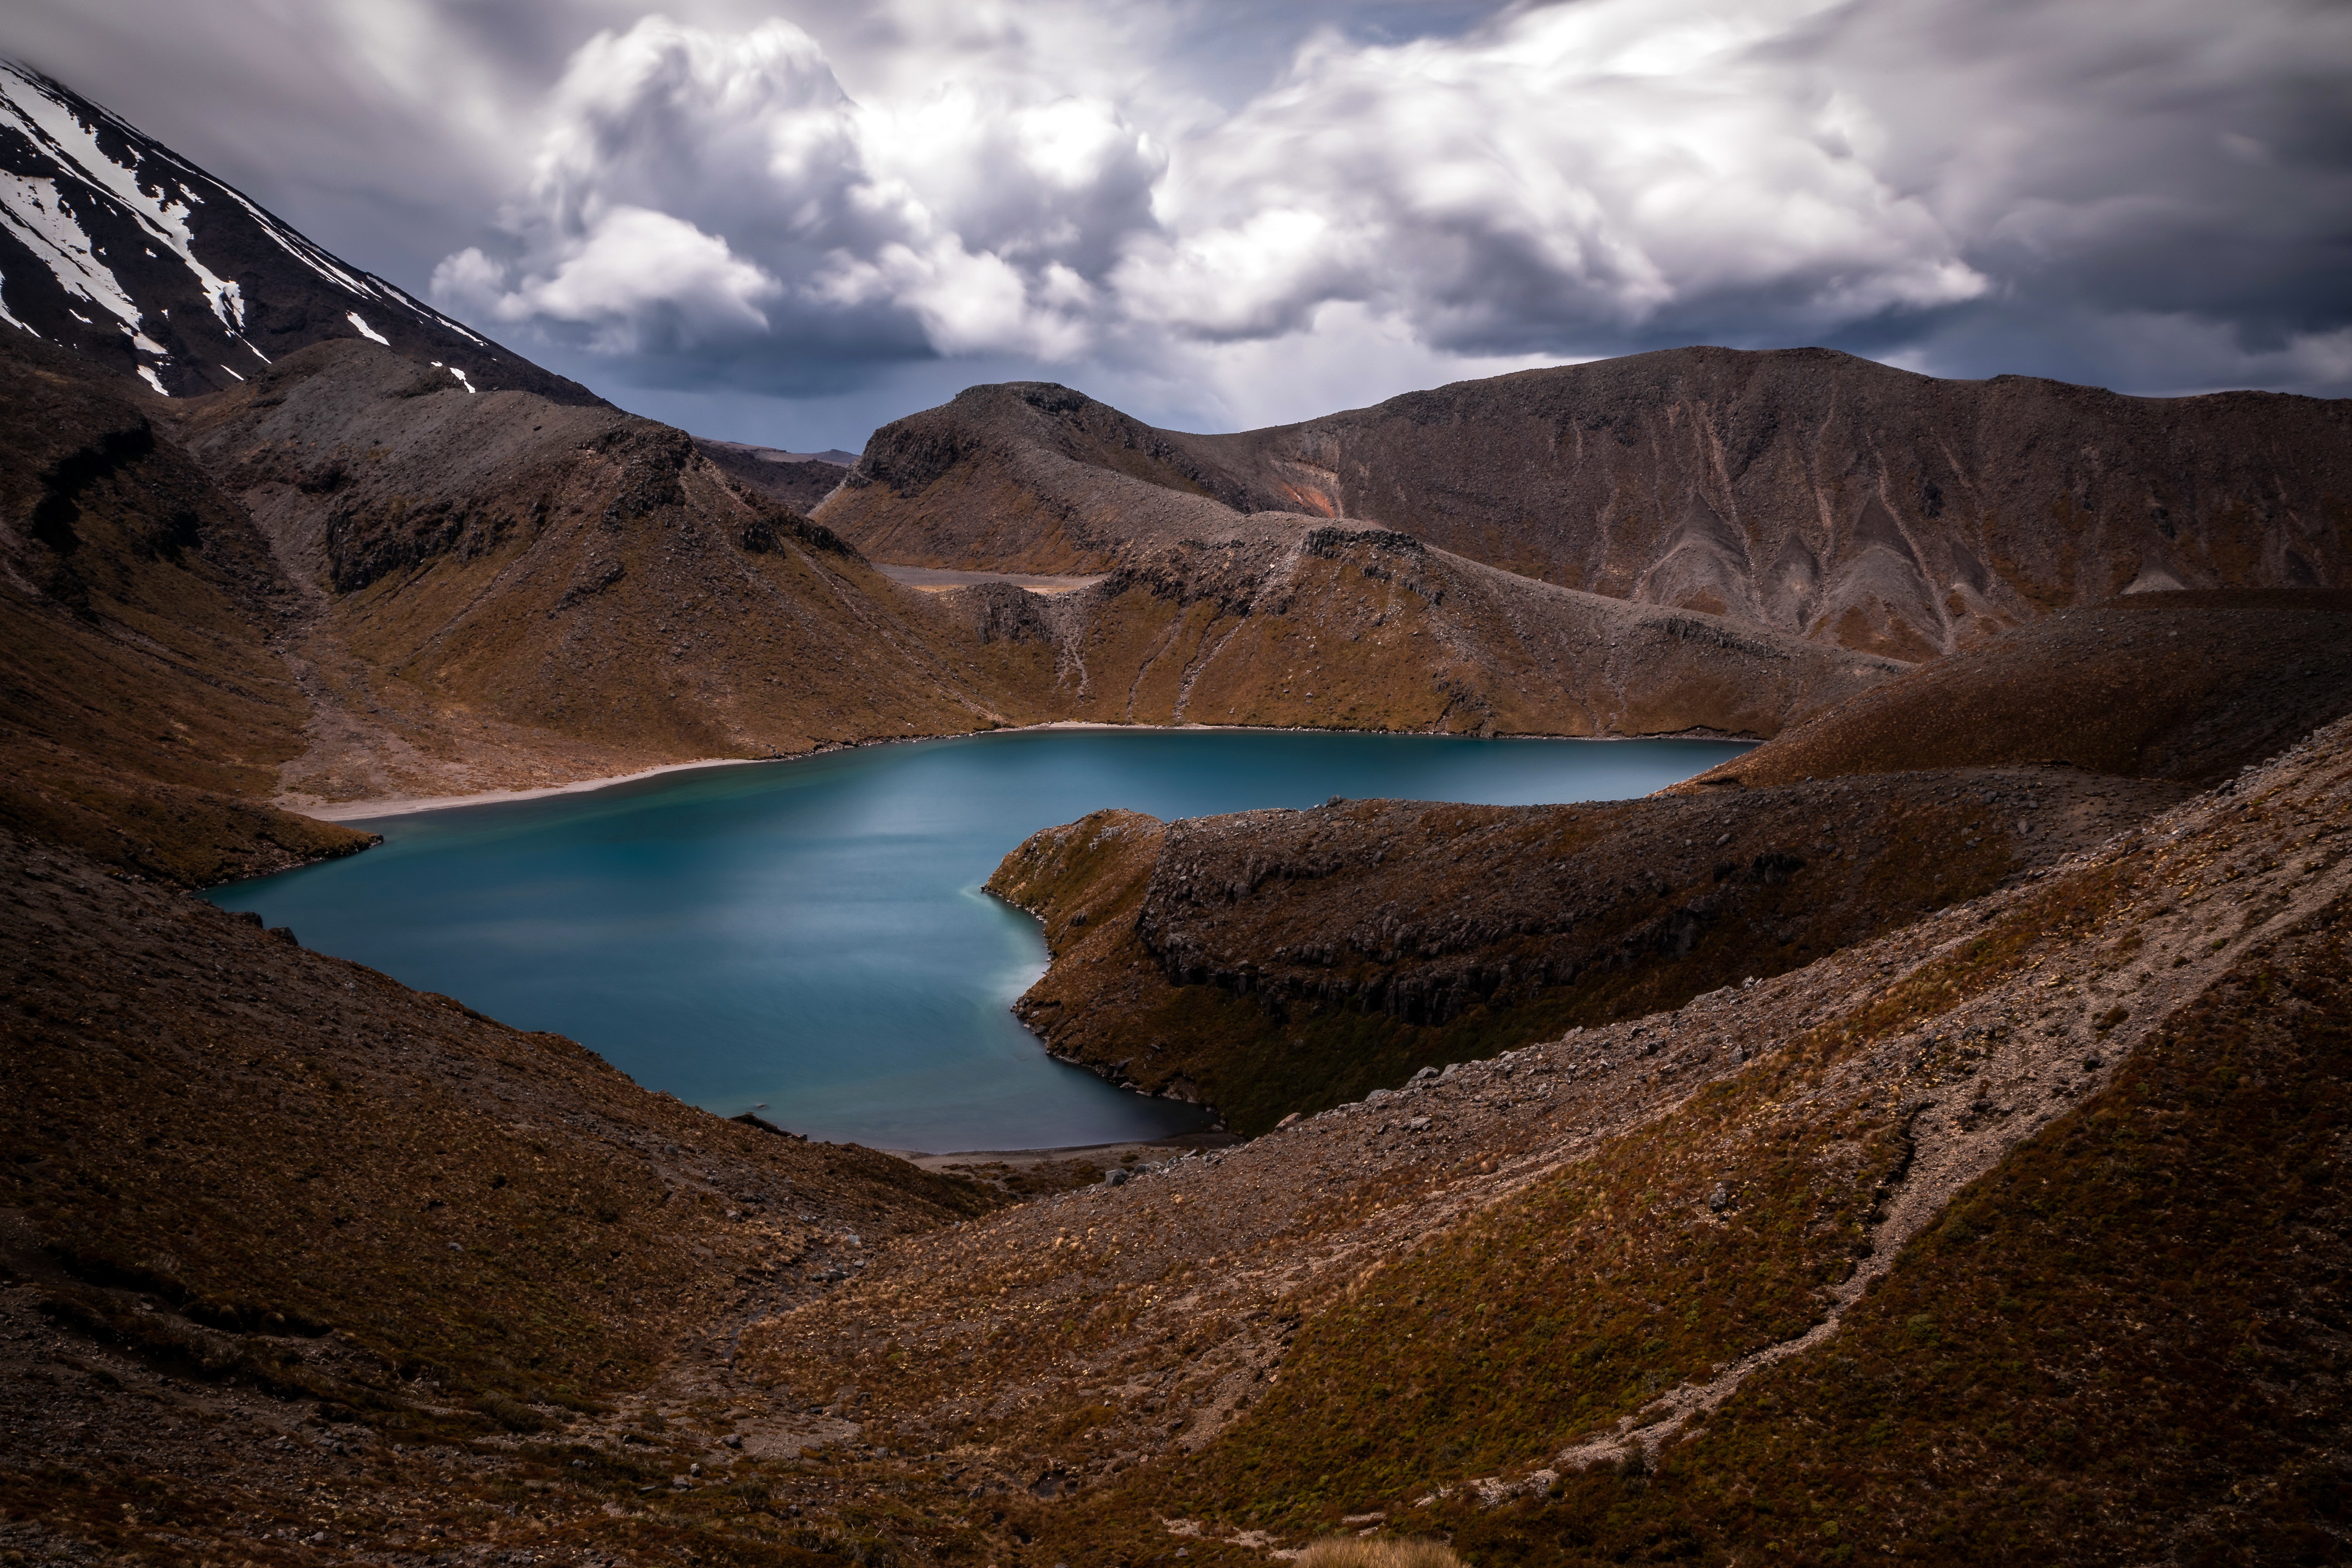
1355, 1551
1358, 1553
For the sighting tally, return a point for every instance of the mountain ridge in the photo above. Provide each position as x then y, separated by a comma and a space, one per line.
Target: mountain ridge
1802, 488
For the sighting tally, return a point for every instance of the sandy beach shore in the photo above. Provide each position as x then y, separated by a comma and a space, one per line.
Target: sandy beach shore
407, 805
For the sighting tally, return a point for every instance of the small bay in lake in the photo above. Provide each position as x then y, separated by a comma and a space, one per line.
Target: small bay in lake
811, 935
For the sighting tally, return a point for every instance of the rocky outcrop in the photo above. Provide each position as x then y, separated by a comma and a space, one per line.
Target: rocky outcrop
1280, 962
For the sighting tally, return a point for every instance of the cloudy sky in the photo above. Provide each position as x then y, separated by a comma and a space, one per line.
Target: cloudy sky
790, 222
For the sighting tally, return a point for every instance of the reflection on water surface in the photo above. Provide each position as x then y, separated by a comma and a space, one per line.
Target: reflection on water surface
811, 935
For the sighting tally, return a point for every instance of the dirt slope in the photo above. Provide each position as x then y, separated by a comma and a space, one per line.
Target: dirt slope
1284, 622
284, 1197
2175, 686
500, 590
1805, 489
146, 707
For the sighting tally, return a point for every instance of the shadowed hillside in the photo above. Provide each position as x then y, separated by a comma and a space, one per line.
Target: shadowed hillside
794, 481
274, 1221
2189, 686
500, 590
1806, 489
145, 708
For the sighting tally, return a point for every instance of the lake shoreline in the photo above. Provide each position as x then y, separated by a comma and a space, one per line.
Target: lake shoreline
817, 936
410, 805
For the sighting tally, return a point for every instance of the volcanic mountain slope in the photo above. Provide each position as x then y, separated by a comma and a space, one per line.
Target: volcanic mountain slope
144, 708
498, 589
2182, 686
504, 585
1282, 621
2011, 1235
1279, 962
114, 245
446, 606
1805, 489
796, 480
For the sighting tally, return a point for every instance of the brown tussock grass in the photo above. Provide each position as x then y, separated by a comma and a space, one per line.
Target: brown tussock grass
1358, 1551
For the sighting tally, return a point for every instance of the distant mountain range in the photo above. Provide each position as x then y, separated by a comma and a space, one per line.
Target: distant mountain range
1803, 490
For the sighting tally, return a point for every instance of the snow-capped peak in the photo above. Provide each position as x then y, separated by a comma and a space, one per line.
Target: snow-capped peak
115, 246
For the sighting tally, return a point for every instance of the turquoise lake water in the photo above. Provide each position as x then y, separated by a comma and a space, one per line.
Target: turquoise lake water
811, 936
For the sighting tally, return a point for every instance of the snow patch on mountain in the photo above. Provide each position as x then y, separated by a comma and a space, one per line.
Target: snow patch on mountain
34, 211
53, 126
114, 247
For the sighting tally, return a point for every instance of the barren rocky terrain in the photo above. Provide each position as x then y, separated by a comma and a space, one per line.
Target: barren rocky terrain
1804, 489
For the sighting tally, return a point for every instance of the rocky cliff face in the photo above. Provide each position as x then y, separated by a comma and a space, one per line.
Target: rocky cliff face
1804, 489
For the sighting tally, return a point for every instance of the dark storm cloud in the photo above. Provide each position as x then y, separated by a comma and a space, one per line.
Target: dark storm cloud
1226, 213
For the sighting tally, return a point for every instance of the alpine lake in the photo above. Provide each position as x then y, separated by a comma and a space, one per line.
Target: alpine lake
809, 938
